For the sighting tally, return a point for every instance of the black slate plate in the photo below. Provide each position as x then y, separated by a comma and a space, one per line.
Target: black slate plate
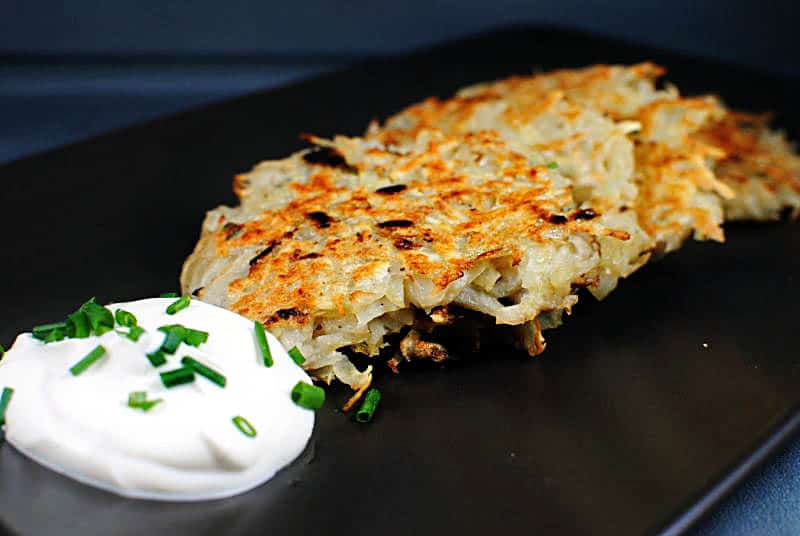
626, 425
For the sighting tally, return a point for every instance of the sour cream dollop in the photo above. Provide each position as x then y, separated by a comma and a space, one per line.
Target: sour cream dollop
186, 448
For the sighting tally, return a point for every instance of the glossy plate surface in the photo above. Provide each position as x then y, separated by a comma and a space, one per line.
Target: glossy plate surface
627, 424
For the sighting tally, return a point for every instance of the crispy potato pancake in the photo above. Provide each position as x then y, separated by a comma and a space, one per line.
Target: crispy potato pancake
671, 186
760, 165
592, 151
502, 200
343, 245
679, 194
753, 169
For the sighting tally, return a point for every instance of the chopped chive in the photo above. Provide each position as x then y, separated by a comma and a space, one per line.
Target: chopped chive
172, 341
176, 377
138, 400
102, 330
368, 406
179, 305
150, 404
41, 332
175, 334
54, 336
308, 396
194, 337
97, 315
2, 351
296, 355
244, 426
133, 333
78, 325
88, 361
156, 358
125, 319
168, 295
263, 345
203, 370
5, 398
552, 165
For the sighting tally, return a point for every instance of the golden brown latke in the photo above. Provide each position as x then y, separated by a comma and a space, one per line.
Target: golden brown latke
582, 117
753, 169
592, 151
760, 165
503, 200
343, 245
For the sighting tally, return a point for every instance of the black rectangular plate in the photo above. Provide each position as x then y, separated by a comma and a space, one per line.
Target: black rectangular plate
626, 425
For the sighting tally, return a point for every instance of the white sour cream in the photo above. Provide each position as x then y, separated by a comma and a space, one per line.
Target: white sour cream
186, 448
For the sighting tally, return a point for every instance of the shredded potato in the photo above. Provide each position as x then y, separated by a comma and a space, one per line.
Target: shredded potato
503, 200
341, 246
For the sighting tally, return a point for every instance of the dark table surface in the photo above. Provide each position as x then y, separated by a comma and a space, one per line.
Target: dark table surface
622, 425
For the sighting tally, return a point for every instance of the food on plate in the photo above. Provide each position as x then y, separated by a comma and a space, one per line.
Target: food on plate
503, 200
159, 398
345, 244
593, 152
626, 145
496, 204
760, 166
752, 168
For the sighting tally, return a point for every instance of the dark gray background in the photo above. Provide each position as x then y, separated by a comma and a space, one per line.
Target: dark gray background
761, 33
69, 70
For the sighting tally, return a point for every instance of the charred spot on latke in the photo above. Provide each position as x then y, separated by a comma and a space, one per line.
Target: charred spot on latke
329, 157
557, 219
584, 214
272, 245
231, 229
320, 219
285, 314
391, 189
404, 243
394, 224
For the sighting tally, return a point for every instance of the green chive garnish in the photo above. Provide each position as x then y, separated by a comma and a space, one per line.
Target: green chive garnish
168, 295
126, 319
97, 315
244, 426
138, 400
5, 398
308, 396
552, 165
263, 345
179, 305
175, 334
43, 331
194, 337
204, 371
90, 318
368, 406
2, 351
133, 333
176, 377
156, 358
54, 336
88, 361
102, 330
78, 326
296, 355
